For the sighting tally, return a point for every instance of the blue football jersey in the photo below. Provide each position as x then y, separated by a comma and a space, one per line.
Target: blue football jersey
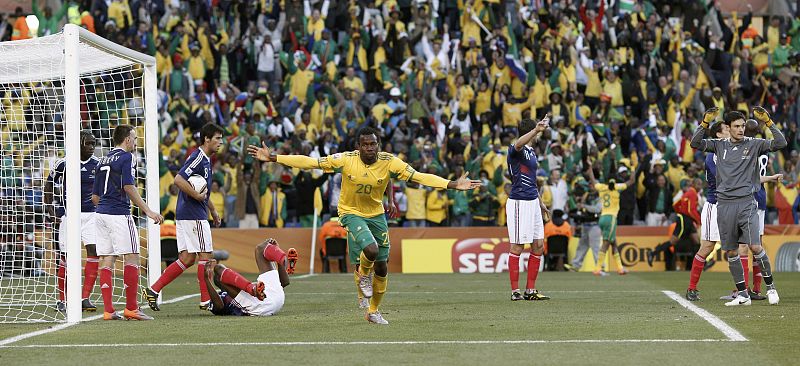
113, 173
57, 177
711, 178
187, 207
522, 166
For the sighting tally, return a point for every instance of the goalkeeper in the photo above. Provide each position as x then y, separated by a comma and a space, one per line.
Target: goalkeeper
737, 180
365, 174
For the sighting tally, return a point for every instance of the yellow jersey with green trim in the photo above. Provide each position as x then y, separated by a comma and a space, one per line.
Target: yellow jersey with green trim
363, 185
610, 197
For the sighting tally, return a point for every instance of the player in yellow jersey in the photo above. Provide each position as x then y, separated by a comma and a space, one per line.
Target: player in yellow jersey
609, 197
365, 174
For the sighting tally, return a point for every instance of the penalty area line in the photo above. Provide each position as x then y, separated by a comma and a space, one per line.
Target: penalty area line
369, 343
732, 334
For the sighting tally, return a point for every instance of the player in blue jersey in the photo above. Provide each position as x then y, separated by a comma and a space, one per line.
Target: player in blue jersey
192, 210
117, 234
241, 297
57, 216
709, 231
524, 209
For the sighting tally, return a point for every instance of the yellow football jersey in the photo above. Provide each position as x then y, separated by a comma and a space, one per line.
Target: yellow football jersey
610, 198
363, 185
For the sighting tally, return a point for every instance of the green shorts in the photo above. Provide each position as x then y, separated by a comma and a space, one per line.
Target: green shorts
608, 226
363, 231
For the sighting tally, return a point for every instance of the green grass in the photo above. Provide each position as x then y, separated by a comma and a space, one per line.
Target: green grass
446, 308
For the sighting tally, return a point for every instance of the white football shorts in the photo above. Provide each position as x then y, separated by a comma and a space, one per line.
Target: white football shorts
88, 236
524, 220
272, 303
194, 236
116, 234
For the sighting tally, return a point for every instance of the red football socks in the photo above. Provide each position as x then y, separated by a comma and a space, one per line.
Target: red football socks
230, 277
131, 278
170, 274
274, 253
106, 288
201, 280
757, 277
697, 269
513, 270
62, 278
746, 266
89, 276
533, 270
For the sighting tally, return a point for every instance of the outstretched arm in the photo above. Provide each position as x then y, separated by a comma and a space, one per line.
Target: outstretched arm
533, 134
264, 153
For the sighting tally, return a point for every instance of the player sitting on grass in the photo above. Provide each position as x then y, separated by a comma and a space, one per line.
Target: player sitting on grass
241, 297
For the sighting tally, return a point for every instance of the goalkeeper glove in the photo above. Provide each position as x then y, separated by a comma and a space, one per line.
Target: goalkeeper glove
762, 115
710, 115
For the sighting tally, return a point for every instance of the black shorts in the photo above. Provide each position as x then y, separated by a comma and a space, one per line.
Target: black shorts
684, 227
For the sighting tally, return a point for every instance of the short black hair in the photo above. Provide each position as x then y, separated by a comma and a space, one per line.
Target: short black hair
526, 126
366, 131
714, 130
84, 135
209, 130
733, 116
121, 132
751, 128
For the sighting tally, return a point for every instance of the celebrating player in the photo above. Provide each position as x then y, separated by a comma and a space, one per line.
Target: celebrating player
737, 181
524, 209
239, 296
193, 230
609, 196
88, 164
365, 174
114, 189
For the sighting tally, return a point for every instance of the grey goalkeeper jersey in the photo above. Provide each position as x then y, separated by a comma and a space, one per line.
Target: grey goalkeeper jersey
737, 163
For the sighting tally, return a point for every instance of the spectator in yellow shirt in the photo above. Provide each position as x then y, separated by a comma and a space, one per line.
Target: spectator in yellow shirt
436, 209
415, 216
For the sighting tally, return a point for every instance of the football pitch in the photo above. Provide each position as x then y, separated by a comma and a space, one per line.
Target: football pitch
453, 319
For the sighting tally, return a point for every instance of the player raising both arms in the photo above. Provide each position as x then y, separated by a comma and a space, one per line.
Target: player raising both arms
193, 230
737, 180
609, 197
57, 176
114, 189
751, 129
239, 296
524, 209
365, 174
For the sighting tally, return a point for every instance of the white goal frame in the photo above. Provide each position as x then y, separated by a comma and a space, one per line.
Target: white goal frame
73, 37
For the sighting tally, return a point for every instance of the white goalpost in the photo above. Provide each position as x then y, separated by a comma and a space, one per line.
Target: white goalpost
52, 88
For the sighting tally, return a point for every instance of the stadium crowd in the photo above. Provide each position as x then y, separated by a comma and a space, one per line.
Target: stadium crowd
447, 82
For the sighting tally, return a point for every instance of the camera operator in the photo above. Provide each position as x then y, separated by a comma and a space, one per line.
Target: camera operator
586, 216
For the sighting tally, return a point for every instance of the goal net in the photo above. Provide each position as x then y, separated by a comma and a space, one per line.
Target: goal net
52, 88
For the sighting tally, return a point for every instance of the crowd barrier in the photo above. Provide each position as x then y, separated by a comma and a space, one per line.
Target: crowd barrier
483, 249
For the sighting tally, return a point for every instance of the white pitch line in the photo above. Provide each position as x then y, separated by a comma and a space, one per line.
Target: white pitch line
477, 292
368, 343
712, 319
56, 328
